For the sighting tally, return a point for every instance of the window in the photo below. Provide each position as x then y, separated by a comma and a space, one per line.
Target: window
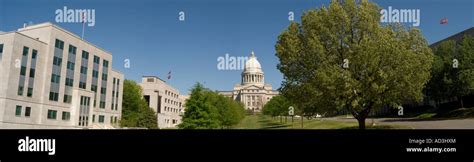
104, 77
96, 59
85, 55
69, 82
53, 96
55, 78
83, 70
23, 71
95, 73
57, 61
35, 52
59, 44
70, 65
20, 90
82, 85
94, 88
25, 51
67, 99
30, 92
32, 73
115, 120
27, 111
102, 90
52, 114
66, 115
101, 118
106, 63
93, 118
102, 104
111, 119
72, 49
18, 110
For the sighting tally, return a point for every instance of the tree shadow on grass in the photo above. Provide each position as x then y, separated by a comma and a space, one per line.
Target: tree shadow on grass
269, 124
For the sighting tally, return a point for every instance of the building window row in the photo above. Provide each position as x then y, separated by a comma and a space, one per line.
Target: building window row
52, 114
170, 109
169, 93
18, 111
169, 101
113, 119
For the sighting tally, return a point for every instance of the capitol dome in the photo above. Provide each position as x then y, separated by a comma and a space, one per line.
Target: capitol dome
252, 65
252, 73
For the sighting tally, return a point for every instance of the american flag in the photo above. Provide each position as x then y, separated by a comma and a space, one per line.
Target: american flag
443, 21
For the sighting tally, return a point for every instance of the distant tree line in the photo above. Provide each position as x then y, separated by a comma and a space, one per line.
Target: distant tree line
206, 109
452, 71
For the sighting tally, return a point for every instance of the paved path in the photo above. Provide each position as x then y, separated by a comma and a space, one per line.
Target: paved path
420, 124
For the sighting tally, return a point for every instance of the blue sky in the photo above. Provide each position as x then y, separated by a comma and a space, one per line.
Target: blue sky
149, 33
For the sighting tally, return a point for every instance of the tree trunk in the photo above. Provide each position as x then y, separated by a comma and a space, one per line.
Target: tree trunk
302, 122
361, 121
462, 104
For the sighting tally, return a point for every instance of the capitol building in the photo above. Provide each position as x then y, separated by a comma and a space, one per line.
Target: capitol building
252, 91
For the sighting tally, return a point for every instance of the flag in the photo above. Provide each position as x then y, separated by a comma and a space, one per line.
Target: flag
83, 17
443, 21
169, 75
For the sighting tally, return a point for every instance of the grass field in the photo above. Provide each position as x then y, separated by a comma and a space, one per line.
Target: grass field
266, 122
461, 113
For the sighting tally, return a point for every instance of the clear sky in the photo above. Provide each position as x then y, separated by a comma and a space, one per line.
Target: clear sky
149, 33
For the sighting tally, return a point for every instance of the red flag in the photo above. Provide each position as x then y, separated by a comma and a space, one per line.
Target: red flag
443, 21
169, 75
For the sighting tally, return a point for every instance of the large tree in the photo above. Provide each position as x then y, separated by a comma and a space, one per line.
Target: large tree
341, 57
135, 110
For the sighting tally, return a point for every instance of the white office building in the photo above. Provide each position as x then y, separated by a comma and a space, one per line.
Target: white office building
51, 78
164, 100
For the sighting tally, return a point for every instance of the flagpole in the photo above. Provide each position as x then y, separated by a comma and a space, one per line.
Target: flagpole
83, 26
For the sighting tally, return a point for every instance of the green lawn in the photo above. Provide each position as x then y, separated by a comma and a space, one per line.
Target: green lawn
461, 113
457, 114
266, 122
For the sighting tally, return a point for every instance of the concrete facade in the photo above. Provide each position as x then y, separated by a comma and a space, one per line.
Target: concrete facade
51, 78
164, 100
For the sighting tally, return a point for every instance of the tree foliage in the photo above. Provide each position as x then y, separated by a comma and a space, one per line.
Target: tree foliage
206, 109
277, 106
341, 57
135, 110
453, 70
